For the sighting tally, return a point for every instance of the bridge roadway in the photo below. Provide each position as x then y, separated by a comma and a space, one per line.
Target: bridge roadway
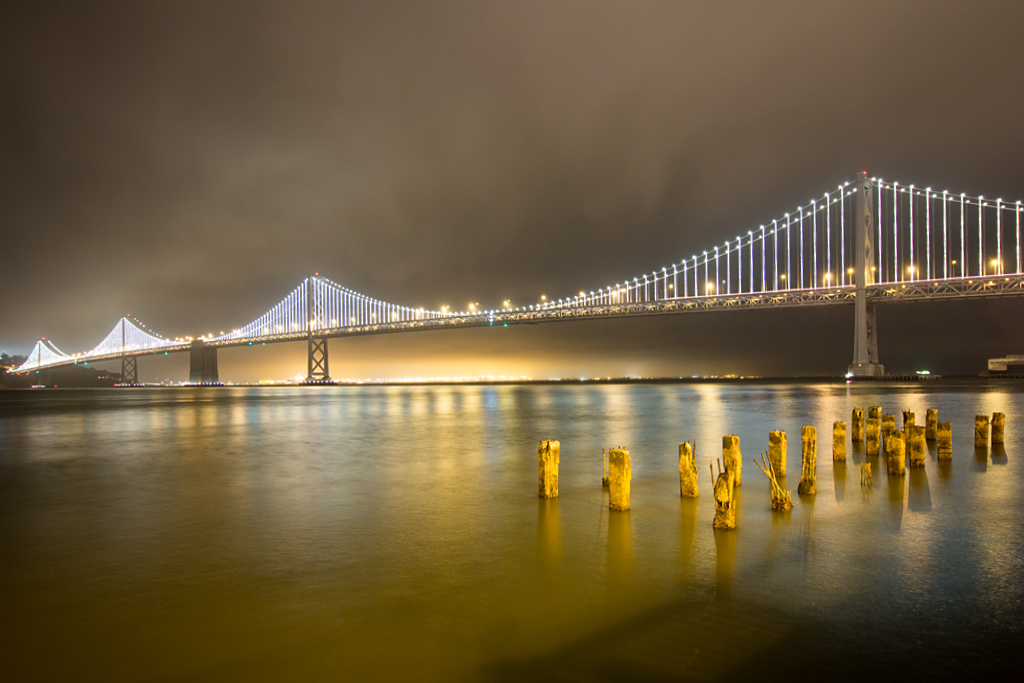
905, 292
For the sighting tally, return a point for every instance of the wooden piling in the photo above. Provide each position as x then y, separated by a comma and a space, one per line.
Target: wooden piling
725, 504
547, 465
872, 436
931, 422
944, 434
838, 441
908, 419
998, 428
981, 431
809, 457
896, 452
875, 412
687, 470
918, 445
888, 426
604, 470
782, 500
619, 477
777, 452
731, 457
857, 425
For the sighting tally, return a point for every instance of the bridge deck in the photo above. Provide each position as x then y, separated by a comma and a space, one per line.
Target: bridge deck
906, 292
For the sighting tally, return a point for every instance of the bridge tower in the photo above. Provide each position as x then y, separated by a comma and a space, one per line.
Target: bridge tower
317, 369
865, 329
203, 364
129, 364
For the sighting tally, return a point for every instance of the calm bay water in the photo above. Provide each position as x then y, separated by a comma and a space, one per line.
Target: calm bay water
375, 533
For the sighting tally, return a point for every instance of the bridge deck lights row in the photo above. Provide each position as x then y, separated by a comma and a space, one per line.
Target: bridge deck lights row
902, 246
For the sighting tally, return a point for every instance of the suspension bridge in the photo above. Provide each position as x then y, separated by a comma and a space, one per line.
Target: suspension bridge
864, 243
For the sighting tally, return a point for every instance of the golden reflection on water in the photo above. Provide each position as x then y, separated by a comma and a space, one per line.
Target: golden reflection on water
620, 548
549, 535
395, 532
839, 476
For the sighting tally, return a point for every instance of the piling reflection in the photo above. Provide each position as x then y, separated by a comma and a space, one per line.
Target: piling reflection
857, 453
839, 476
549, 535
945, 469
980, 462
920, 497
725, 561
620, 547
999, 454
687, 532
896, 483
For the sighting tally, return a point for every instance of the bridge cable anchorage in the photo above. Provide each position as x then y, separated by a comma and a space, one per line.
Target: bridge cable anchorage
895, 229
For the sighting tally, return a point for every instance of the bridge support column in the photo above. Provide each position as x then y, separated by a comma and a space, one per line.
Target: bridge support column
129, 370
865, 331
203, 364
317, 369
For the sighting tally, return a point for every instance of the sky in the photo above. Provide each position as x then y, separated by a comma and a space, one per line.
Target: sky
190, 162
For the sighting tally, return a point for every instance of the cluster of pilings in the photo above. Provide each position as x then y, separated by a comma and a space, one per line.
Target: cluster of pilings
880, 436
877, 432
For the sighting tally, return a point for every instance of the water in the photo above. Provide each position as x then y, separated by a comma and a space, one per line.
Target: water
394, 533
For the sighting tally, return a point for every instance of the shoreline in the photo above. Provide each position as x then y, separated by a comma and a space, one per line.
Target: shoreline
809, 379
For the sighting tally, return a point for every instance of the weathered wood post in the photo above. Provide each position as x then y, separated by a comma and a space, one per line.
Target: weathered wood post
873, 436
981, 431
908, 419
547, 465
931, 424
687, 470
619, 477
888, 426
918, 445
944, 432
896, 452
777, 452
838, 441
725, 505
875, 412
809, 456
781, 500
857, 426
731, 457
998, 428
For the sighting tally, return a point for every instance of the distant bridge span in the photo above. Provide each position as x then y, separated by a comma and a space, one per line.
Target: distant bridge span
866, 242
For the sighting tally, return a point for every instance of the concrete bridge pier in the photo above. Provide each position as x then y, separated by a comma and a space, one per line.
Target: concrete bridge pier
865, 331
203, 364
